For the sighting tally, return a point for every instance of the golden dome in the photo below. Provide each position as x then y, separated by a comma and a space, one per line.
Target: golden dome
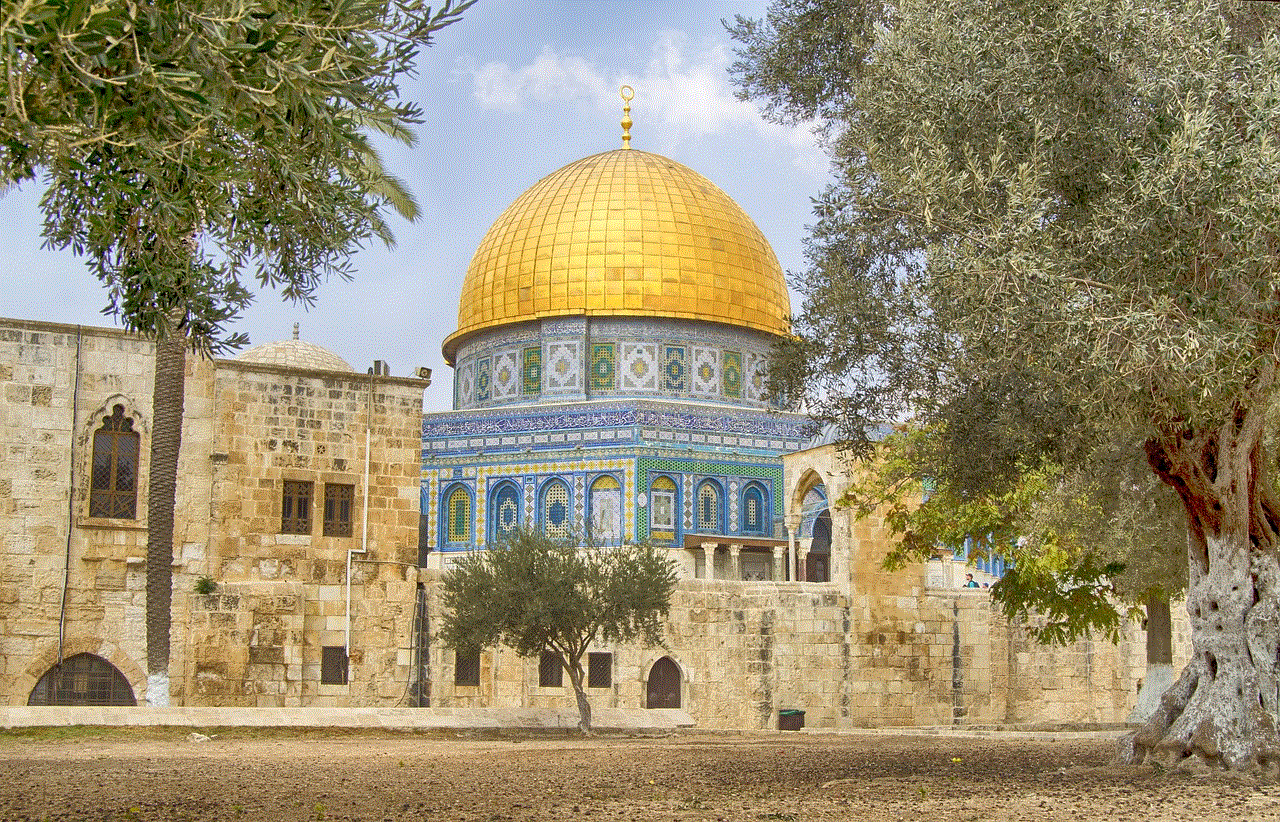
623, 233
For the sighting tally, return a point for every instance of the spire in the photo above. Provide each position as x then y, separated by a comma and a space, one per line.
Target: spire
627, 93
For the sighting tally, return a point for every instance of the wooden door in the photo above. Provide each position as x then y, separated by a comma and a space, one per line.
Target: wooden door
663, 690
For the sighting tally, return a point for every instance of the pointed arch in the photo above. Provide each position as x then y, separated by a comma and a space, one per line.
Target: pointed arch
505, 509
605, 511
457, 526
555, 505
709, 502
664, 685
664, 509
755, 510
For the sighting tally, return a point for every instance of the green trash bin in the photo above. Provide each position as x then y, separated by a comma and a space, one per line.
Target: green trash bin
790, 719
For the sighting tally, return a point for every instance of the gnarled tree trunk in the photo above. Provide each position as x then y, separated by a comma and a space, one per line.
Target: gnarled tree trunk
577, 678
1222, 710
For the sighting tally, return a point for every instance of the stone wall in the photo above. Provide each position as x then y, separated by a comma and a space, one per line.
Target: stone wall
248, 427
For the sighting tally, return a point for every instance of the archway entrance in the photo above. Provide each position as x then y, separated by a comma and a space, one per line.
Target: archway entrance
818, 564
663, 689
83, 679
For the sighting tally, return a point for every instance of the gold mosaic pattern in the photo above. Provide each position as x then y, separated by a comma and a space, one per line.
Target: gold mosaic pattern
623, 233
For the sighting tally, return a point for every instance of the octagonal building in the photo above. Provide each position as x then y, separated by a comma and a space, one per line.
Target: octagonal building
614, 330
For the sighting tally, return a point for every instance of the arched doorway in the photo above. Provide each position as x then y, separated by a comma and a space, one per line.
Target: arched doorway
83, 679
818, 564
663, 689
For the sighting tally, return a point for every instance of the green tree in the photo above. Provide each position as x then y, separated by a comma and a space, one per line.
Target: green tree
534, 593
190, 149
1056, 223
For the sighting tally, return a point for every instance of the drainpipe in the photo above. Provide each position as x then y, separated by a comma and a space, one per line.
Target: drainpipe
364, 525
71, 501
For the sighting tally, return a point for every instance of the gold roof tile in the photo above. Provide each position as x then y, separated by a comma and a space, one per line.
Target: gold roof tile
652, 217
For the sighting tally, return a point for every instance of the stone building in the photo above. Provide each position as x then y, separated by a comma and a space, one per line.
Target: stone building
614, 328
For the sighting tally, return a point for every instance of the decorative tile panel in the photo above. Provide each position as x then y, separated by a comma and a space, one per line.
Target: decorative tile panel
506, 375
484, 379
732, 374
639, 367
466, 386
564, 366
754, 375
675, 372
704, 374
531, 371
604, 366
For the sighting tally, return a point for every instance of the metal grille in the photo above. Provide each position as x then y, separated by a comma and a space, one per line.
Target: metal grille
550, 673
555, 511
459, 512
599, 670
506, 511
753, 510
333, 665
113, 484
466, 667
708, 507
295, 507
337, 509
83, 679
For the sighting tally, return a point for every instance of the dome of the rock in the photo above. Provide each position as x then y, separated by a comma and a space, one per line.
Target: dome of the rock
618, 234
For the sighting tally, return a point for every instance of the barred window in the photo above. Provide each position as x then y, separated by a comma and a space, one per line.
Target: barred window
466, 666
295, 507
333, 665
753, 512
709, 507
662, 509
550, 672
337, 509
83, 679
113, 485
599, 670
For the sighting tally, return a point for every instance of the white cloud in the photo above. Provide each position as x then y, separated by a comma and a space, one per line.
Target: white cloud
685, 85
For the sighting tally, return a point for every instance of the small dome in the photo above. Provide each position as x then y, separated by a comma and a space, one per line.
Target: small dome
295, 353
623, 233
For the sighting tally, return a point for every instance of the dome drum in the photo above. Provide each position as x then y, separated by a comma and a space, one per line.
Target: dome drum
579, 358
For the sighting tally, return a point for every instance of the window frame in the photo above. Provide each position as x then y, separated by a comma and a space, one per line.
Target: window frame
466, 667
334, 665
673, 496
333, 525
600, 669
290, 521
765, 513
716, 526
446, 518
122, 443
550, 670
566, 529
599, 479
496, 531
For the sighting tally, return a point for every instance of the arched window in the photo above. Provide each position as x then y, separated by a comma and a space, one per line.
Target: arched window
818, 564
457, 511
709, 508
755, 514
83, 679
113, 485
504, 511
662, 510
606, 510
555, 510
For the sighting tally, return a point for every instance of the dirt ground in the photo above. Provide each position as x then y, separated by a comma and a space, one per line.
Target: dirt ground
107, 775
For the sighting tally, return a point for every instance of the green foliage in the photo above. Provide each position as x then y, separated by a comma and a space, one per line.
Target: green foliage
534, 593
187, 146
205, 585
1050, 243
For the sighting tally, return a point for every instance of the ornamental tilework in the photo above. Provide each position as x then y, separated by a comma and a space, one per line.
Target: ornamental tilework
604, 366
484, 379
579, 509
768, 473
531, 371
675, 376
506, 375
466, 385
639, 367
732, 374
564, 366
687, 495
704, 371
733, 506
754, 375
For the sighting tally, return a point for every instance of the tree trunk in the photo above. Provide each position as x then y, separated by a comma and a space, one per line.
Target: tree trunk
167, 400
576, 677
1221, 712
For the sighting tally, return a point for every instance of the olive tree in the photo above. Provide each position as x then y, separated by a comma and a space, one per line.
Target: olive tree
1051, 224
535, 593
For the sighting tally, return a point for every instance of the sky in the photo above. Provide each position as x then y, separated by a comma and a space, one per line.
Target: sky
514, 91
